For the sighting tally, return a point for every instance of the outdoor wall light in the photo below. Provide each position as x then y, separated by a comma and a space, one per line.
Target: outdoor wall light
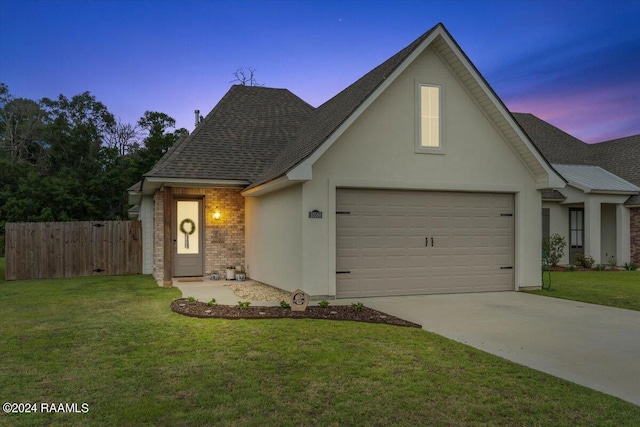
216, 214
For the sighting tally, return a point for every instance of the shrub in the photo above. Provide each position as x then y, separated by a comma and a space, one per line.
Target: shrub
584, 260
600, 267
192, 299
324, 303
553, 248
357, 306
243, 305
212, 303
285, 304
571, 267
630, 266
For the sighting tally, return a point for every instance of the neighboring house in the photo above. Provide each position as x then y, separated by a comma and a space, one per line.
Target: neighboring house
599, 210
414, 179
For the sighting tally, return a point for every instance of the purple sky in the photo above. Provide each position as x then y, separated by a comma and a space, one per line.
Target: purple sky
575, 64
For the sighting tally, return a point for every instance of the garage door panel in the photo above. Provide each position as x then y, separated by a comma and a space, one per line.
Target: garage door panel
382, 242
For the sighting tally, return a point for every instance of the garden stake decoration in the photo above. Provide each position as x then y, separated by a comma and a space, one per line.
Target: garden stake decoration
186, 233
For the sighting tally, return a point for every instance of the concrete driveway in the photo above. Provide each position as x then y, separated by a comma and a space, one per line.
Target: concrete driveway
591, 345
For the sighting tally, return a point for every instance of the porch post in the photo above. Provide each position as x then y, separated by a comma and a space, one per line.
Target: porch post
623, 234
592, 213
168, 238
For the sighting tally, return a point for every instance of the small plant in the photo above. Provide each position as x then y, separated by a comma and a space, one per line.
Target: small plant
585, 260
212, 303
243, 305
600, 267
571, 267
630, 266
612, 261
324, 303
192, 299
553, 248
357, 306
285, 304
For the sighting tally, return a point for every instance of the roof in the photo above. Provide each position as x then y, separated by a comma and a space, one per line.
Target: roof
620, 156
329, 116
552, 195
556, 145
328, 119
239, 138
594, 179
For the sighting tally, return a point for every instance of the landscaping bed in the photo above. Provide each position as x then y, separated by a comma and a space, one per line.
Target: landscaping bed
338, 312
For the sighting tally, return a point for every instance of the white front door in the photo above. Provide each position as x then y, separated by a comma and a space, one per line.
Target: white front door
188, 238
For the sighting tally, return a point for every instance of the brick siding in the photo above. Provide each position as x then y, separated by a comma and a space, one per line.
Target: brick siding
224, 238
635, 235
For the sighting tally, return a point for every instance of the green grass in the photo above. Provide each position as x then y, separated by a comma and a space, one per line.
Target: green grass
113, 342
613, 288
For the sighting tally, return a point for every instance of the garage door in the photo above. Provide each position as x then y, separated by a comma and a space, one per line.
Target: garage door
392, 242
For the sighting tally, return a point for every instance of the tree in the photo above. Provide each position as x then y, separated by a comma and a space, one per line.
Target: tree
21, 127
158, 139
122, 137
245, 77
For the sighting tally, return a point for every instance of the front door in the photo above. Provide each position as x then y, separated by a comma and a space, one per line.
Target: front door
576, 233
188, 238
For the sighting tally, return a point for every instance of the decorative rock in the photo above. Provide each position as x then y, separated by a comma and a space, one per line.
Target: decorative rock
383, 317
333, 312
262, 312
207, 311
183, 305
299, 300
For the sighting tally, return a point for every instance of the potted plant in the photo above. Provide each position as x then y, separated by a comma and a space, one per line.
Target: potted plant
240, 275
231, 273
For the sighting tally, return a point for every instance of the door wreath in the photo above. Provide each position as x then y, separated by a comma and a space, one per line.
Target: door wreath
192, 229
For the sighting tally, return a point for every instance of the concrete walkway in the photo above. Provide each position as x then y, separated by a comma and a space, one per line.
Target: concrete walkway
591, 345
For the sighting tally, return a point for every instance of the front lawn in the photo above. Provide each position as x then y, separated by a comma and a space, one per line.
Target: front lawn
113, 343
613, 288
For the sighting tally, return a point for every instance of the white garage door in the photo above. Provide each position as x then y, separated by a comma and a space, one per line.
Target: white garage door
392, 242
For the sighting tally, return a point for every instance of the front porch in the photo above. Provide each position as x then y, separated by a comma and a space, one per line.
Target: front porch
218, 231
597, 225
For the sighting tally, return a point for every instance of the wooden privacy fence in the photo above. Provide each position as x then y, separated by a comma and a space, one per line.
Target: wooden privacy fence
45, 250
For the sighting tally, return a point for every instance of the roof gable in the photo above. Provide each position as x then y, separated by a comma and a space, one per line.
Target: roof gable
329, 120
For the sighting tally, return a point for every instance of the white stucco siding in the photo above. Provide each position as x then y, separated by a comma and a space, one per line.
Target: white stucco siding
273, 240
378, 151
559, 224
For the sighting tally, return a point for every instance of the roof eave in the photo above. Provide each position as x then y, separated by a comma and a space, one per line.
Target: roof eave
276, 184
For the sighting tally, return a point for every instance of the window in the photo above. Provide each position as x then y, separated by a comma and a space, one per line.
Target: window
576, 228
429, 126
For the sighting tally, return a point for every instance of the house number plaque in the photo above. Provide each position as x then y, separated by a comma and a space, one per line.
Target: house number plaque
299, 301
315, 214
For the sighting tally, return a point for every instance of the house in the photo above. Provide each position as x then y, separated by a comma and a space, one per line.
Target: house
598, 212
414, 179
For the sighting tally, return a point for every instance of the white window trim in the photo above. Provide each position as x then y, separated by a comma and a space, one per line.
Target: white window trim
418, 119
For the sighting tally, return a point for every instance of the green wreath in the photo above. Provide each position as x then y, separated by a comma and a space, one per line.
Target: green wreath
185, 232
191, 223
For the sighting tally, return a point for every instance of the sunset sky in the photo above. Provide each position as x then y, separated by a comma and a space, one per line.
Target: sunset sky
575, 64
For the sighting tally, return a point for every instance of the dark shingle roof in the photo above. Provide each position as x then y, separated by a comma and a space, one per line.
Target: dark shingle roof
239, 138
622, 157
552, 195
556, 145
328, 117
619, 156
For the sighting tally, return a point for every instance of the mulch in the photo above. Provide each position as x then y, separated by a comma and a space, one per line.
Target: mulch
336, 312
